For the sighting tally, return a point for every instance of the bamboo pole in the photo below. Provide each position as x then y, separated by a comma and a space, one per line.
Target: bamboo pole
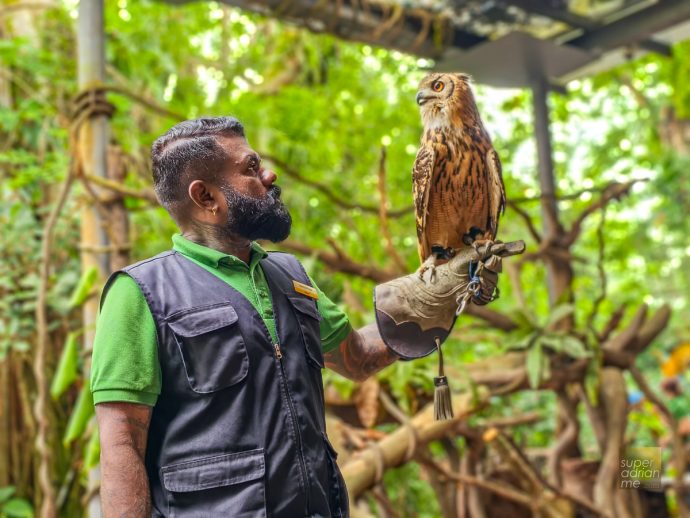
93, 143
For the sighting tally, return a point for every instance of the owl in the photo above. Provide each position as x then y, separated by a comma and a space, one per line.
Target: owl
457, 181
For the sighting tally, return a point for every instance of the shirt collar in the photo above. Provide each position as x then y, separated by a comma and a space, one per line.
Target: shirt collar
214, 258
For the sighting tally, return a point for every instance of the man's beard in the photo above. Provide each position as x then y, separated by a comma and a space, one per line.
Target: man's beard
257, 218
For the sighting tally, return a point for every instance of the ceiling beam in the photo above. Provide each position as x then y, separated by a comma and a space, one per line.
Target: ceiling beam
412, 30
635, 28
577, 21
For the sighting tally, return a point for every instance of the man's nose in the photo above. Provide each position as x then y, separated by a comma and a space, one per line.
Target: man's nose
268, 177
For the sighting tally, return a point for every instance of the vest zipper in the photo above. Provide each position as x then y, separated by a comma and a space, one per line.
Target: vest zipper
293, 415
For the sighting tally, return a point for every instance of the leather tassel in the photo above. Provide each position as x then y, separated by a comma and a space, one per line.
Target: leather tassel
443, 407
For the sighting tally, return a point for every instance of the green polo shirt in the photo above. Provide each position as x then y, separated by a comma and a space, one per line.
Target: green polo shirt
125, 351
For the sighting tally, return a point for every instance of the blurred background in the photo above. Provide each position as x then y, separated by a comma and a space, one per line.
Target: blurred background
581, 363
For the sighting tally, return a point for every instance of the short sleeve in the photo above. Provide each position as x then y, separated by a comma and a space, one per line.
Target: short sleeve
125, 363
334, 325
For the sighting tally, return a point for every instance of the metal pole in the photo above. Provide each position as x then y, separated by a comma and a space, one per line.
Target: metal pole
549, 207
544, 156
93, 145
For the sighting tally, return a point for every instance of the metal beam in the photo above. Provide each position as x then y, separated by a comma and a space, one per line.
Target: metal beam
577, 21
412, 30
633, 29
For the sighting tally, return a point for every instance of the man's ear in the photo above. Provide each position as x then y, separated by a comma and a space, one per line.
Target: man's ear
201, 195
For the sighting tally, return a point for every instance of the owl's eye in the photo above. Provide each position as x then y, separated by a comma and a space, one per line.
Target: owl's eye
437, 86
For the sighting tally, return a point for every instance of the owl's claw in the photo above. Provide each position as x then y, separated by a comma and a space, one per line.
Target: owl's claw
486, 243
428, 265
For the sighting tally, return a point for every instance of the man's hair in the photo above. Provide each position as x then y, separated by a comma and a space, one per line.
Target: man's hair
189, 151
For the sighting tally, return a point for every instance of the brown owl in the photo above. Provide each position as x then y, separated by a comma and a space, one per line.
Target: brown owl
457, 181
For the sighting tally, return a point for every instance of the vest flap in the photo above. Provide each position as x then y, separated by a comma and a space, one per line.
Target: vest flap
197, 321
305, 305
216, 471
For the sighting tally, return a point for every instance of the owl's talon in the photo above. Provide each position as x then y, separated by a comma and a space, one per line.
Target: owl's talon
430, 266
485, 243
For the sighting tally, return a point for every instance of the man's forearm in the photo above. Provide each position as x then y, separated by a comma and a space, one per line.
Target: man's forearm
361, 354
124, 481
124, 484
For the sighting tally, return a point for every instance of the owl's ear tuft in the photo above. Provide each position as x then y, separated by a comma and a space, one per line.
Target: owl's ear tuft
466, 78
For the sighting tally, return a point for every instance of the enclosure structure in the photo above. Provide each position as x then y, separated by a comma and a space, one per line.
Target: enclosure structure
512, 43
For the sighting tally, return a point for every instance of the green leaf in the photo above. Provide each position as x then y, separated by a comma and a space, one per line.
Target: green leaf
66, 372
525, 342
18, 508
559, 312
524, 319
553, 342
92, 451
82, 413
534, 365
84, 286
6, 492
574, 347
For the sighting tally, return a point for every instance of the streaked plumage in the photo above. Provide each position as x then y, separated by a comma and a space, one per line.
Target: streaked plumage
457, 180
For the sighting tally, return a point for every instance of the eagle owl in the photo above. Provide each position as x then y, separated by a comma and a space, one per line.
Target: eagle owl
457, 181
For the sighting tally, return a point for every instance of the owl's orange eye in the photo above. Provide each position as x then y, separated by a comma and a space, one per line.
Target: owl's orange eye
437, 86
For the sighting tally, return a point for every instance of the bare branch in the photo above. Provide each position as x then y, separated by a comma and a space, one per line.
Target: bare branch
383, 214
531, 227
502, 490
340, 263
679, 453
328, 192
613, 191
41, 405
144, 194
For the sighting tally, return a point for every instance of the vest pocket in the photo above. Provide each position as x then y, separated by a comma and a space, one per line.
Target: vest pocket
222, 485
308, 317
211, 346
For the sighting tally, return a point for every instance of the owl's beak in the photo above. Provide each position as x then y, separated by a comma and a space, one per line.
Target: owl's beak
420, 98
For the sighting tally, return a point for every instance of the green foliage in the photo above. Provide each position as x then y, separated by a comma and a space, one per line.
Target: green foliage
81, 415
67, 369
536, 339
13, 507
84, 287
325, 109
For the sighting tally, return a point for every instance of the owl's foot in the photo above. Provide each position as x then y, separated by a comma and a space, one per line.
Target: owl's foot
485, 243
430, 266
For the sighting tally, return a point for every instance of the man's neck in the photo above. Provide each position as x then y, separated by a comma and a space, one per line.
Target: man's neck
213, 237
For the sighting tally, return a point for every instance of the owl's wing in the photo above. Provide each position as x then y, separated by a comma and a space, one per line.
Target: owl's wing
497, 191
422, 173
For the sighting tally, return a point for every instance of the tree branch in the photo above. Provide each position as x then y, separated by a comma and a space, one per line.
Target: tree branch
328, 192
529, 222
383, 214
340, 262
144, 194
613, 191
679, 453
361, 471
41, 410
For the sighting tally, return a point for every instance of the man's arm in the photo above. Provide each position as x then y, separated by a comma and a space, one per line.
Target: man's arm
360, 355
124, 482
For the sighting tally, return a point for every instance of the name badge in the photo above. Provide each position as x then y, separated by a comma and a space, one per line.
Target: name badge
305, 290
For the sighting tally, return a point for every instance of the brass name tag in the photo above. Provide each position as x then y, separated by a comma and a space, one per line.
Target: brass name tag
305, 290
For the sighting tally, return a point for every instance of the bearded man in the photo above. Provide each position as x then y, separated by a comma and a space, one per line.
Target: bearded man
207, 360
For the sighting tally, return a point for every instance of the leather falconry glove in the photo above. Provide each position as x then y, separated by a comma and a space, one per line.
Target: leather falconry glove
415, 316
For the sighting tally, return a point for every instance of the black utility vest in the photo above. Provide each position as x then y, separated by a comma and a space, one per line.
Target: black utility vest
239, 427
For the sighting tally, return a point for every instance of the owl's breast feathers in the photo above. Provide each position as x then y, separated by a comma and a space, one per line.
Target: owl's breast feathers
458, 187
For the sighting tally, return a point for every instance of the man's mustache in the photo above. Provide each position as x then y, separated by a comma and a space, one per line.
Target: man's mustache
274, 192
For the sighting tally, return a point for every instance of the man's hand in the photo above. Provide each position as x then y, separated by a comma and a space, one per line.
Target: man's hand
360, 355
124, 482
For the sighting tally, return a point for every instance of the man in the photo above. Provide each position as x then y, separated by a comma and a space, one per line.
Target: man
207, 360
